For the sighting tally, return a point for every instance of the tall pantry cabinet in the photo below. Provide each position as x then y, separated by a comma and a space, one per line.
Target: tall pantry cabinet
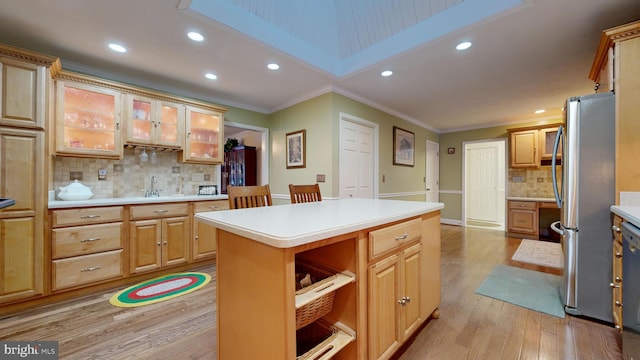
616, 68
25, 83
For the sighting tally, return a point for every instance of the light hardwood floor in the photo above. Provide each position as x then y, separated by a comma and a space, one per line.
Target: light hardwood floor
470, 326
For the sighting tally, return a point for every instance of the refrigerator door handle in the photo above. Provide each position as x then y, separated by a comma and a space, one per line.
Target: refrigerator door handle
557, 227
553, 168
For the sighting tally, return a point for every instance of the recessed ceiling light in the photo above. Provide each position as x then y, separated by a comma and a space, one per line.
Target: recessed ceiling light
117, 48
273, 66
539, 111
463, 45
211, 76
386, 73
195, 36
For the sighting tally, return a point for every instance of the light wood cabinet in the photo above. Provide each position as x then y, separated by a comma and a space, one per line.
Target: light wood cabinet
204, 236
524, 148
87, 246
523, 217
154, 122
88, 118
532, 147
616, 279
21, 225
158, 236
547, 138
395, 287
394, 293
622, 43
22, 92
204, 134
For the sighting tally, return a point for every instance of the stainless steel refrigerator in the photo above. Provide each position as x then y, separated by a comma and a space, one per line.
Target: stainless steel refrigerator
585, 196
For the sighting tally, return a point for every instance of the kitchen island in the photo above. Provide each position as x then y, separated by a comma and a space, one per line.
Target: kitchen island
388, 251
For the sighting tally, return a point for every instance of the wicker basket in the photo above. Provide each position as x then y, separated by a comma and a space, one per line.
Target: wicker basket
311, 338
319, 307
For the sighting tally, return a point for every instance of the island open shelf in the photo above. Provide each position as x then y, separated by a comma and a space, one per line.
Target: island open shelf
258, 250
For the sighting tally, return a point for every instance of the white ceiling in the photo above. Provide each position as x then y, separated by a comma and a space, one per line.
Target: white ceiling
526, 55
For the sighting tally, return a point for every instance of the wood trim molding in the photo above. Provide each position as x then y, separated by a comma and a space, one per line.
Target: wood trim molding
52, 62
607, 40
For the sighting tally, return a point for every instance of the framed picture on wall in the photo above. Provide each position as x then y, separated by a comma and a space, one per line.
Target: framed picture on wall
404, 144
296, 152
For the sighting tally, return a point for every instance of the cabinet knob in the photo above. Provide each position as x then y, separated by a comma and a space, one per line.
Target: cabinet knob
615, 228
618, 303
165, 243
402, 302
618, 254
614, 286
158, 243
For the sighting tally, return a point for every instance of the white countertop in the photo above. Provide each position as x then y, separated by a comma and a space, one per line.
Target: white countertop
629, 213
518, 198
59, 204
285, 226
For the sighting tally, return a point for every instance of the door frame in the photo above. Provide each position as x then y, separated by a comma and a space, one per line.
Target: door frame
264, 146
426, 158
502, 162
376, 147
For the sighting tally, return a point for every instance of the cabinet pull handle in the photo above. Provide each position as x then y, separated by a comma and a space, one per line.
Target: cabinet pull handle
89, 216
213, 207
160, 211
90, 268
402, 237
618, 279
90, 239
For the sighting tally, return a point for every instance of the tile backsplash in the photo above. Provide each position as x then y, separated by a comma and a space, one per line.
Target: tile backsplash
532, 182
130, 177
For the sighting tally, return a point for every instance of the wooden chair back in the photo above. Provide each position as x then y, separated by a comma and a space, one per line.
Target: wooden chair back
249, 196
304, 193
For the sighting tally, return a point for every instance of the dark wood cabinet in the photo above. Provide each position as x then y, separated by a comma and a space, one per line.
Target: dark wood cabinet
239, 168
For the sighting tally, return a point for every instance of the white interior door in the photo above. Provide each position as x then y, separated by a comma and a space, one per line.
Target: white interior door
357, 155
484, 191
432, 172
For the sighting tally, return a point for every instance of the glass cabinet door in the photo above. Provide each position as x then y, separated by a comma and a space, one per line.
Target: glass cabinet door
87, 120
154, 122
170, 128
204, 136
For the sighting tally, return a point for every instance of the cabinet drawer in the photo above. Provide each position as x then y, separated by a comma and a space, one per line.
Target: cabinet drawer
159, 210
85, 269
393, 236
86, 216
82, 240
202, 206
524, 205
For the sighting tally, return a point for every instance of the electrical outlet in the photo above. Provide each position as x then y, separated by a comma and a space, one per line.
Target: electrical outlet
118, 168
197, 177
207, 177
540, 180
75, 175
175, 169
518, 179
102, 174
320, 178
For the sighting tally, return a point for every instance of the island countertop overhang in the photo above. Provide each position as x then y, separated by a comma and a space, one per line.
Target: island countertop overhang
287, 226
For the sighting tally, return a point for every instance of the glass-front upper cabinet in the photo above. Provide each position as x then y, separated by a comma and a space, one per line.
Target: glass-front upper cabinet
87, 120
203, 136
547, 138
154, 122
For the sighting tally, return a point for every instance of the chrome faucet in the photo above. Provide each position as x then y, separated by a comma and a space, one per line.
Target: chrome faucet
152, 192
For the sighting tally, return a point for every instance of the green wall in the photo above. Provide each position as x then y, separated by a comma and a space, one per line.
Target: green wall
451, 165
320, 118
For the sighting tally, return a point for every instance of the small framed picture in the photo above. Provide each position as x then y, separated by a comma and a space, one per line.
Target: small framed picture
296, 152
403, 147
451, 150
